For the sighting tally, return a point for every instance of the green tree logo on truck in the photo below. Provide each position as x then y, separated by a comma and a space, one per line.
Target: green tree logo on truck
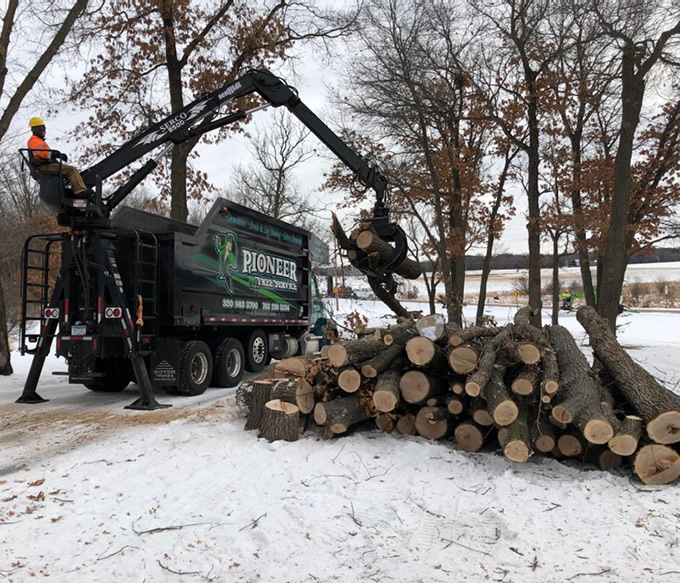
225, 245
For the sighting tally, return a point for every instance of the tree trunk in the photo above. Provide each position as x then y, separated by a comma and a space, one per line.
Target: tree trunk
658, 407
5, 362
369, 242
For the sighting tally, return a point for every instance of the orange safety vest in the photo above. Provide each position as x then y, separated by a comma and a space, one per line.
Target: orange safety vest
39, 148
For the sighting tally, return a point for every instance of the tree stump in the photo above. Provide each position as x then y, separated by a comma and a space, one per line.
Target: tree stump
261, 394
296, 391
280, 420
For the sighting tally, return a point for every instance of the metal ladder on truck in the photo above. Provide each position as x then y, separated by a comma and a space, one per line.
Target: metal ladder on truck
145, 295
35, 290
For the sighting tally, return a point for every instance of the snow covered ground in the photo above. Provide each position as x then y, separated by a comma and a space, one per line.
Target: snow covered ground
92, 492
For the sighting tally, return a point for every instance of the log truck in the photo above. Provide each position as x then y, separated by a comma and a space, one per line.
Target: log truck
146, 299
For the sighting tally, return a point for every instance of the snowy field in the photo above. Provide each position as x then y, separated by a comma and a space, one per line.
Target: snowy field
92, 492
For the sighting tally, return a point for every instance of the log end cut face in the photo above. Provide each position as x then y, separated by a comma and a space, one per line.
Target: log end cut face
665, 428
657, 464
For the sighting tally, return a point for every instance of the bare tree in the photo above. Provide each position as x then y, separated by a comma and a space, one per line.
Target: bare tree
269, 183
646, 35
18, 79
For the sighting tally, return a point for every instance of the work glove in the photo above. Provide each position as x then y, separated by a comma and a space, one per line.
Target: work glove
64, 157
55, 154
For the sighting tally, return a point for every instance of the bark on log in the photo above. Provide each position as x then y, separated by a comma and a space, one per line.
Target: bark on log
627, 437
369, 242
457, 337
417, 386
518, 444
463, 359
406, 424
487, 362
434, 422
291, 367
468, 437
658, 407
261, 394
340, 414
387, 393
580, 390
542, 433
501, 407
657, 464
550, 375
296, 391
280, 420
381, 361
432, 327
354, 352
423, 352
400, 333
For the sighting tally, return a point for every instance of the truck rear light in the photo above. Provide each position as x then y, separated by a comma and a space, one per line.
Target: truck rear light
113, 312
51, 313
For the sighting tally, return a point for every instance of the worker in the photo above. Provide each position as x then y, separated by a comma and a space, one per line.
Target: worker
45, 159
567, 300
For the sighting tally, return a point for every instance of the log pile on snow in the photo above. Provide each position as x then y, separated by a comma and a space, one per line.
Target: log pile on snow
525, 390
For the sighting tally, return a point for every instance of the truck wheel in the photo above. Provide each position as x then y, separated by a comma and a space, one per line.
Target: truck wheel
195, 368
229, 361
117, 375
257, 351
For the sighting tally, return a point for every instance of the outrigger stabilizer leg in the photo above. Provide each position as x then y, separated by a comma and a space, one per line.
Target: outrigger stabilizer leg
147, 401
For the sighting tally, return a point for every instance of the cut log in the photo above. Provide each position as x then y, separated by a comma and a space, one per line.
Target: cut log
369, 242
417, 386
657, 464
571, 445
340, 414
541, 432
406, 424
627, 437
280, 421
454, 404
602, 457
296, 391
349, 379
261, 394
518, 443
354, 352
458, 336
478, 380
550, 375
658, 407
382, 361
480, 413
580, 390
387, 393
432, 327
501, 407
423, 352
458, 388
291, 367
400, 333
468, 437
434, 422
526, 382
463, 359
385, 422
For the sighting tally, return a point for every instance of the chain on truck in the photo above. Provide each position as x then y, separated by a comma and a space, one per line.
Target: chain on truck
146, 299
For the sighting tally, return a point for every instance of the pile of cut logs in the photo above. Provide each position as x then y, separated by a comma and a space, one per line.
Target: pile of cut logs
517, 387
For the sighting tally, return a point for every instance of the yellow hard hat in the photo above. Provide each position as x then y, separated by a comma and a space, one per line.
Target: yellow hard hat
35, 122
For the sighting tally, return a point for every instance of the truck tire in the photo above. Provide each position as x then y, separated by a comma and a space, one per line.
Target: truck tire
257, 351
117, 375
229, 363
195, 368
